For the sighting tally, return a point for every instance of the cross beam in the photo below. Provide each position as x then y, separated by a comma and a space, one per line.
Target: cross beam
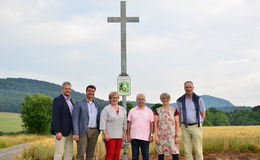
123, 20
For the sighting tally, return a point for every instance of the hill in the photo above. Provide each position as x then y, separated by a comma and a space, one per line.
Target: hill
211, 101
221, 104
12, 91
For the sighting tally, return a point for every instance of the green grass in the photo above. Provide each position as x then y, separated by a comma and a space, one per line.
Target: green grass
10, 122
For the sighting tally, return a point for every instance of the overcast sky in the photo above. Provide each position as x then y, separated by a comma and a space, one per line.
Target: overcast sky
214, 43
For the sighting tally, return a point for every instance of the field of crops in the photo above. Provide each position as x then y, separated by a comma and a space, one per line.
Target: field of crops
12, 140
238, 139
10, 122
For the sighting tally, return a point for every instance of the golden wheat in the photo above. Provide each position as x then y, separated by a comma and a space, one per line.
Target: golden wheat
215, 139
231, 138
11, 140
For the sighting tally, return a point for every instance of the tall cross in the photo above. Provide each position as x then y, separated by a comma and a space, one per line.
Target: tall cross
123, 20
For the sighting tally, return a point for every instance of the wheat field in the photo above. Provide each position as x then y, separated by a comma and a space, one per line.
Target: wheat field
215, 140
10, 122
12, 140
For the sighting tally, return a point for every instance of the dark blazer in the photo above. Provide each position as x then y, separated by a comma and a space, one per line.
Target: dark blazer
81, 117
61, 117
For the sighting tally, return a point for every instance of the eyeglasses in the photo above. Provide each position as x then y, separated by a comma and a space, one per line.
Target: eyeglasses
114, 97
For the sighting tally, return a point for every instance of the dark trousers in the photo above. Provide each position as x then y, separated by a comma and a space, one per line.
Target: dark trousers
144, 145
174, 157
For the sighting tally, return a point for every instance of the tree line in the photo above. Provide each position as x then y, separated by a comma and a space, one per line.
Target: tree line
36, 114
217, 117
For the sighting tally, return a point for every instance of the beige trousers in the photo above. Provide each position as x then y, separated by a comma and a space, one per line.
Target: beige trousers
192, 137
64, 146
87, 144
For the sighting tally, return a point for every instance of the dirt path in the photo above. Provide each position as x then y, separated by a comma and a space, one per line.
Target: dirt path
9, 153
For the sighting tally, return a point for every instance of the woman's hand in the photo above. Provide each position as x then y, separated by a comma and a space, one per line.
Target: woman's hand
177, 141
124, 136
106, 137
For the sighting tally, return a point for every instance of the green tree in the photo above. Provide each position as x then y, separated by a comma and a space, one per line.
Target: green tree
215, 117
128, 104
244, 117
36, 113
256, 114
208, 119
256, 108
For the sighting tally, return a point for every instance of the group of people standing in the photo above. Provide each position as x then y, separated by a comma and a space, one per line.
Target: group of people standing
84, 121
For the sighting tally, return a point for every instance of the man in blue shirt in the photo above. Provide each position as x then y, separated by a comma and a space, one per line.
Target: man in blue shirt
86, 117
192, 111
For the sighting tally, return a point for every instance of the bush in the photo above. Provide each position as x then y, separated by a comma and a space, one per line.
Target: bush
36, 113
155, 106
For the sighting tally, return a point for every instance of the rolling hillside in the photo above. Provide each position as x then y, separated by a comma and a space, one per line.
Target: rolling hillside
12, 91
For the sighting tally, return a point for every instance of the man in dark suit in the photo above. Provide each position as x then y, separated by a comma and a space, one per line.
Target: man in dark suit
61, 125
86, 117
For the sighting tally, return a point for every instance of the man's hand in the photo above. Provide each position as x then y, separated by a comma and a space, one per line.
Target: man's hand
58, 136
150, 138
157, 140
129, 138
76, 138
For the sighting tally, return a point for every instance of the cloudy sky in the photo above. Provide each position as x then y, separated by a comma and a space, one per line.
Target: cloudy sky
216, 44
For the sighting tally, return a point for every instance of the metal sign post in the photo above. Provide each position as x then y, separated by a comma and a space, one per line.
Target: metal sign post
124, 85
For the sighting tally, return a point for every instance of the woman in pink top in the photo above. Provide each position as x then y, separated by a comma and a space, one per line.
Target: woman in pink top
167, 129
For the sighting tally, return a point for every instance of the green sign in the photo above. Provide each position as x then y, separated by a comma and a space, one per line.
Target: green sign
124, 85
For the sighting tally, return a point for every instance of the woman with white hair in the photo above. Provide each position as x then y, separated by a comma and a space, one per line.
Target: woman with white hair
167, 129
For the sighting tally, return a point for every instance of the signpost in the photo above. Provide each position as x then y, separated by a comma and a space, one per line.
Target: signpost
124, 83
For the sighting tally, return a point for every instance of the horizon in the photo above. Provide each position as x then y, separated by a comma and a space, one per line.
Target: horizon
171, 101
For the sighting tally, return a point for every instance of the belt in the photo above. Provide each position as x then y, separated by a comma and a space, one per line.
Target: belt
190, 124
